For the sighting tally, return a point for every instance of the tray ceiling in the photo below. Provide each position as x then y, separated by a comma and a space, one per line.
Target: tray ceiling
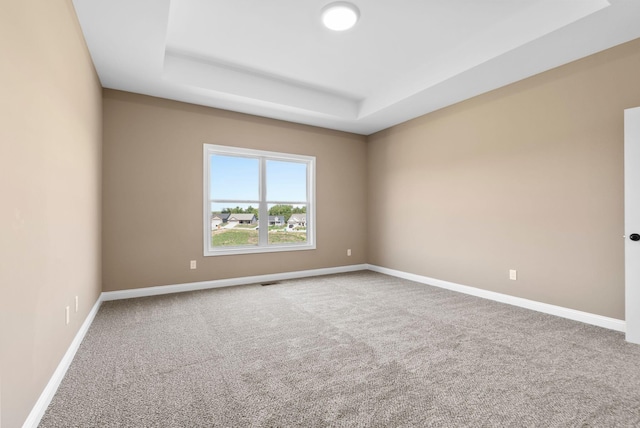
402, 59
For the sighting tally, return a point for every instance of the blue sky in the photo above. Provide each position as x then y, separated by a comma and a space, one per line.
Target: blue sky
237, 178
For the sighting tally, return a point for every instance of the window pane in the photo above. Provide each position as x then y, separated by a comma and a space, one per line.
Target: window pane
287, 224
234, 225
286, 181
240, 185
234, 177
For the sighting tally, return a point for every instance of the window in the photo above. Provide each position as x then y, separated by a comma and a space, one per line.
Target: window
257, 201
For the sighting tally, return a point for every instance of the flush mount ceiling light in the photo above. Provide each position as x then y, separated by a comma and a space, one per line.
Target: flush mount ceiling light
340, 16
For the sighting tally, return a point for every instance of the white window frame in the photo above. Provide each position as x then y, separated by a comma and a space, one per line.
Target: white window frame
263, 210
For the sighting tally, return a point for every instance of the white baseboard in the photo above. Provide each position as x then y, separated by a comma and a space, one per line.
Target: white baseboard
47, 395
572, 314
49, 391
193, 286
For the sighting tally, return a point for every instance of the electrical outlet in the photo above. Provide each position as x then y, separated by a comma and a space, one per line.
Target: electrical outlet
349, 252
66, 315
513, 274
193, 264
77, 304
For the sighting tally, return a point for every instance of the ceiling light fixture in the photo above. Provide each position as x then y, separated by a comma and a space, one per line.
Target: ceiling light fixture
340, 15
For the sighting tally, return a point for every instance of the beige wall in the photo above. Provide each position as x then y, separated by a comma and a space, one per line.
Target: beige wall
152, 196
50, 138
527, 177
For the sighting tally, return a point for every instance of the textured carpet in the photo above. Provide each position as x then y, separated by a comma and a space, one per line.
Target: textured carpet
360, 349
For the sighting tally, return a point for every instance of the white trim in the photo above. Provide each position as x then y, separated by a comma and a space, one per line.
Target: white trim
263, 208
572, 314
263, 157
204, 285
38, 410
52, 386
632, 222
206, 206
49, 391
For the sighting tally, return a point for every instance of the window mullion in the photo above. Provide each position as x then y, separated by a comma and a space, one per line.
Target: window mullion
263, 210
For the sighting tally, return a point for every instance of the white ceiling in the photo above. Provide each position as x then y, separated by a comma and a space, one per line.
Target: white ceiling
404, 58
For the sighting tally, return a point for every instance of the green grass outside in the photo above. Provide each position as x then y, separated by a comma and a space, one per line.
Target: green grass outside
238, 237
234, 237
286, 237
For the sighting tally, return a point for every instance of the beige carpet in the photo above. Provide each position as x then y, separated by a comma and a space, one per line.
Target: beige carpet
361, 349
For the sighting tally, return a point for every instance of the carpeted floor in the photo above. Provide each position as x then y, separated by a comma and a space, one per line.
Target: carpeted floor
360, 349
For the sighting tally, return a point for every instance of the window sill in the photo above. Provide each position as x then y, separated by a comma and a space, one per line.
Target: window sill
232, 251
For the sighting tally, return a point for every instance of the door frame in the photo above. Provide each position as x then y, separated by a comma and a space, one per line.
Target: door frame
632, 222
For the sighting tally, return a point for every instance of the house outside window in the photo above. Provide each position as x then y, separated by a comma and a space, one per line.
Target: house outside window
257, 201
